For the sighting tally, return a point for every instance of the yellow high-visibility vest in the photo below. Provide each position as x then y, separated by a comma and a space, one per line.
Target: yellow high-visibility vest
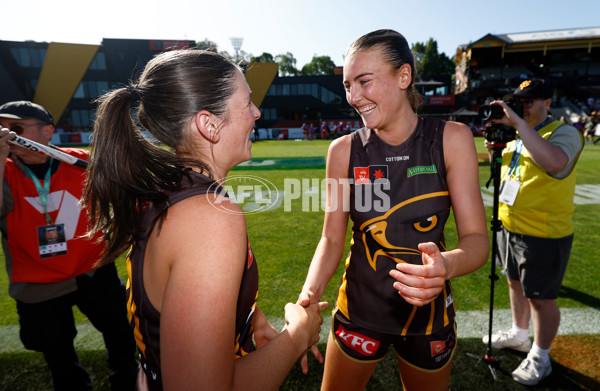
544, 205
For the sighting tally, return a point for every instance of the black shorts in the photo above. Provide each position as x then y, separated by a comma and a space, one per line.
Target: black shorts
428, 352
539, 263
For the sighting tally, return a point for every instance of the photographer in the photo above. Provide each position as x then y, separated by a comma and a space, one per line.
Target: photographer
536, 209
50, 265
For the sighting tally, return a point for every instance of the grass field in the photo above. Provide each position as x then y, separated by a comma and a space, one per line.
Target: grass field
284, 241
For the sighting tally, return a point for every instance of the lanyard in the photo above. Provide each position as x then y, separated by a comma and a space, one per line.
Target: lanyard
516, 157
43, 191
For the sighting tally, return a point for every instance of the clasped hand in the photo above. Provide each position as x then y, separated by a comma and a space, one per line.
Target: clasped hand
421, 284
292, 310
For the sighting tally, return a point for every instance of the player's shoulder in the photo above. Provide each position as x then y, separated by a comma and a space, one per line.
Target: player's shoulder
339, 150
457, 128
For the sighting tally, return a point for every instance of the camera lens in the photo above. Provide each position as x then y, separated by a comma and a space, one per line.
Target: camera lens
487, 112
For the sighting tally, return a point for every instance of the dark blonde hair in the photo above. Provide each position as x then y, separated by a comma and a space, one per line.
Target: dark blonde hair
126, 171
396, 52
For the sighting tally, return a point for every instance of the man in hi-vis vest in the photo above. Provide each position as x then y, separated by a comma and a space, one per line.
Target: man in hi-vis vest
536, 210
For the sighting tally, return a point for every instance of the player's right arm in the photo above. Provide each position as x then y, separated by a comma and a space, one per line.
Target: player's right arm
329, 251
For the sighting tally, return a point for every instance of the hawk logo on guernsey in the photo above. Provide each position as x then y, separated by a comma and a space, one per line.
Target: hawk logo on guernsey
379, 239
355, 341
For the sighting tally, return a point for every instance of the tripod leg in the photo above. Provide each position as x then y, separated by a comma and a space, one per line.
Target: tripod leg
493, 371
488, 359
491, 362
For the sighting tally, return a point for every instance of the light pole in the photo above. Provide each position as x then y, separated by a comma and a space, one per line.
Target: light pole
236, 42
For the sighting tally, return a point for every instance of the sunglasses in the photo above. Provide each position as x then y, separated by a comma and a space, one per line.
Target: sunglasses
19, 128
528, 102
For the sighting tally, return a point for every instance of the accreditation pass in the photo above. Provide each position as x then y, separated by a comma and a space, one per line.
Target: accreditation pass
52, 240
509, 192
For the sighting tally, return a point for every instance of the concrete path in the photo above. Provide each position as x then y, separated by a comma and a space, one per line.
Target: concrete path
471, 324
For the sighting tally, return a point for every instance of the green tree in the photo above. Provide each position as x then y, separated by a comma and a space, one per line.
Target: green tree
319, 65
265, 57
207, 44
287, 64
429, 61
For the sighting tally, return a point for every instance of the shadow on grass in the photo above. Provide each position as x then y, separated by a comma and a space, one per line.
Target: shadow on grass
471, 374
27, 371
582, 297
22, 371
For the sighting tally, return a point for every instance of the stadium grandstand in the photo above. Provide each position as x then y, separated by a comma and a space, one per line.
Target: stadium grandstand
495, 64
67, 78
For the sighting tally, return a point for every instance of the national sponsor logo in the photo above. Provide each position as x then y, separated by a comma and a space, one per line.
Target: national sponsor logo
418, 170
358, 342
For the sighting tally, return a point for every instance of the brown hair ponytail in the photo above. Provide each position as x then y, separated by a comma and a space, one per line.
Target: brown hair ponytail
126, 170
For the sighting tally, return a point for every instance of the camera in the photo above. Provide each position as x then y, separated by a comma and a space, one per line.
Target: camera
487, 112
499, 134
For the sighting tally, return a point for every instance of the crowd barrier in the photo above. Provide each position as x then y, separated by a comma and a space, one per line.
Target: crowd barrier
83, 138
67, 139
71, 138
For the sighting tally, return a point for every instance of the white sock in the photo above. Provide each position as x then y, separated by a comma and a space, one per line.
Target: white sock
541, 353
521, 334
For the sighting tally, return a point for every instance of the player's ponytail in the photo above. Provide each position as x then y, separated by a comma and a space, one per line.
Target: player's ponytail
126, 170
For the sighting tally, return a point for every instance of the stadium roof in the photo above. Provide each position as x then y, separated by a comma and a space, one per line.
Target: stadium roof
553, 35
533, 37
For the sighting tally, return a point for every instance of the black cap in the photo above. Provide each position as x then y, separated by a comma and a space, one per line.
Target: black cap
532, 89
24, 109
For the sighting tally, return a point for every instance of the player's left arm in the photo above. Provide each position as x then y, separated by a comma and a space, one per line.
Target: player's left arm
462, 166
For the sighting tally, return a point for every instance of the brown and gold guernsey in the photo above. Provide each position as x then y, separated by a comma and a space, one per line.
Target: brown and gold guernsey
398, 199
145, 319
